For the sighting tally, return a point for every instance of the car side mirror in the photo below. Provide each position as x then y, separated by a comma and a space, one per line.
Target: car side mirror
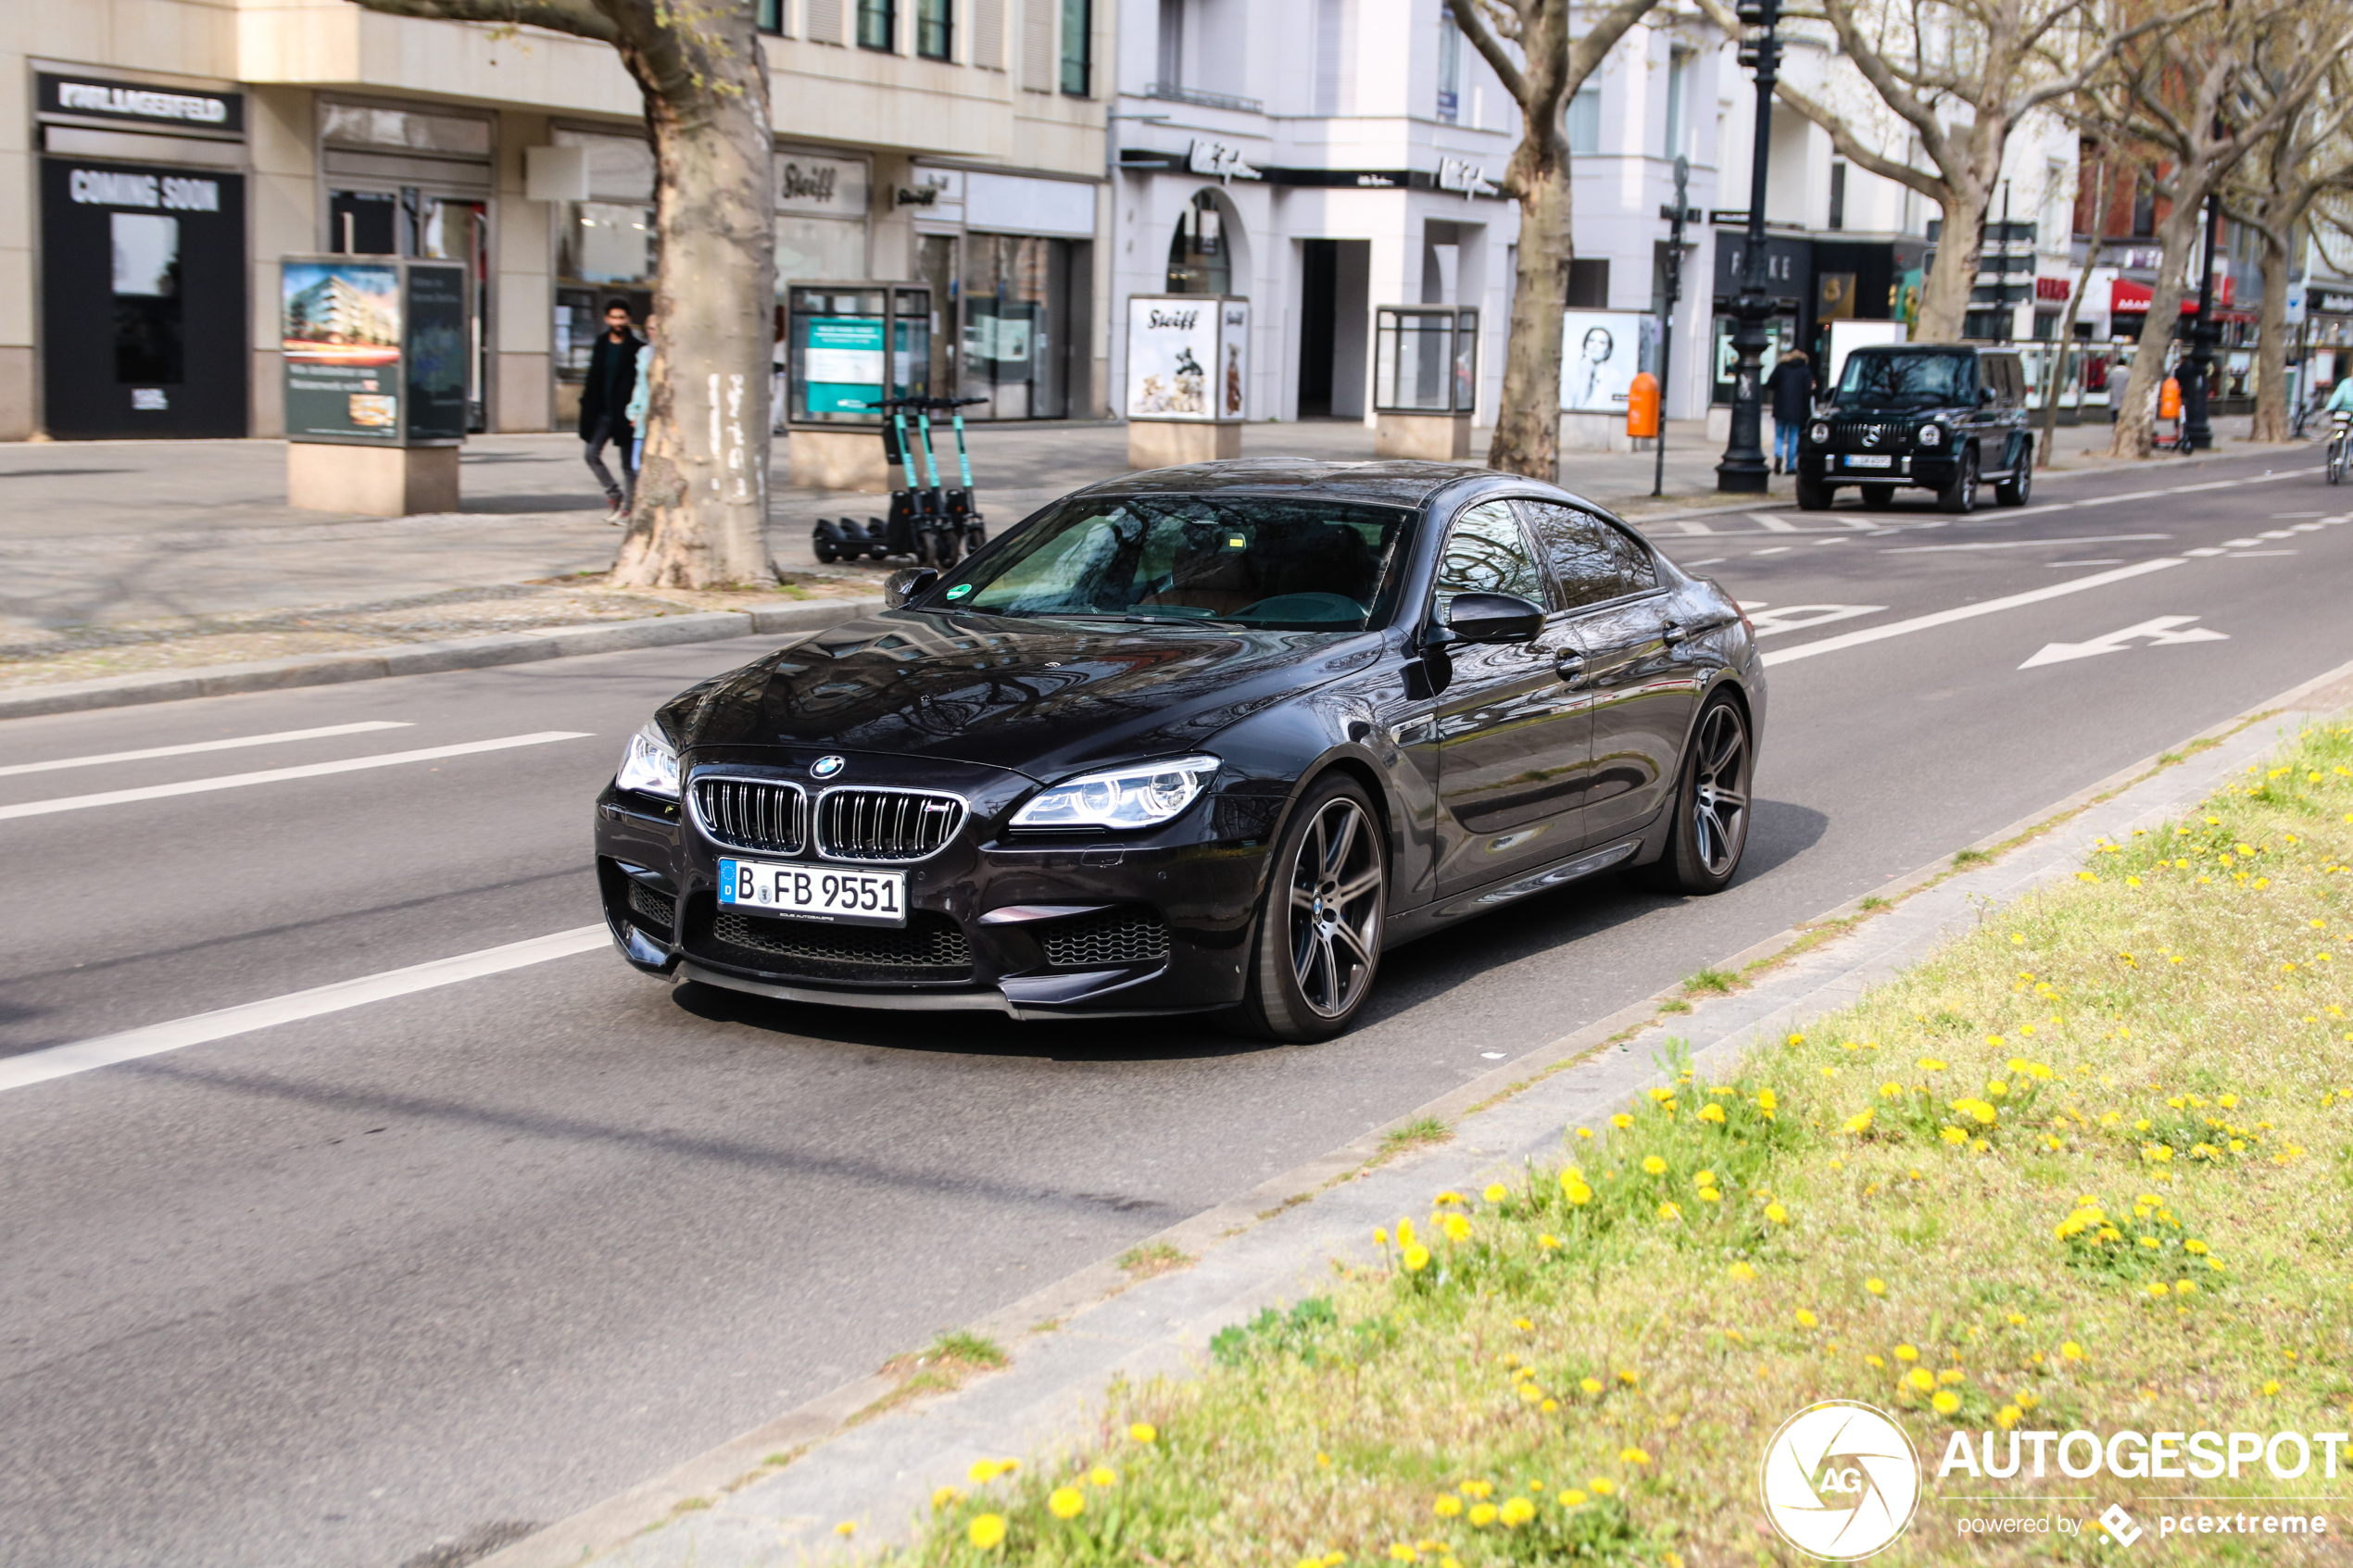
908, 582
1493, 618
1985, 397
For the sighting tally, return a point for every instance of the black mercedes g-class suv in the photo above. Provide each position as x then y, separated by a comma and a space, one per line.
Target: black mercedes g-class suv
1939, 416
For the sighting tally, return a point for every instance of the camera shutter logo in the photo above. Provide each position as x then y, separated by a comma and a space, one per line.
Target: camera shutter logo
2120, 1524
1840, 1480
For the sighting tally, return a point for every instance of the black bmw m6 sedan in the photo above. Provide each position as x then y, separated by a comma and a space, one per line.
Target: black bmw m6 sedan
1203, 739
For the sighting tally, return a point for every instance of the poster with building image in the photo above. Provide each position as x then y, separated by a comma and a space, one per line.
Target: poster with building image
339, 329
1601, 352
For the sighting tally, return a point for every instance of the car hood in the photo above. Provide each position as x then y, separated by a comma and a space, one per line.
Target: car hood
1044, 698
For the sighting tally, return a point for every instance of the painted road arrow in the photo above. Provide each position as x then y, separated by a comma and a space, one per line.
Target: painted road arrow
2160, 632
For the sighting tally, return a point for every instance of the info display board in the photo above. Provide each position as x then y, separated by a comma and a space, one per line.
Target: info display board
1187, 357
375, 350
851, 346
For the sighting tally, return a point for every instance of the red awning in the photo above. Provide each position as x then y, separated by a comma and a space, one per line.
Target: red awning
2123, 293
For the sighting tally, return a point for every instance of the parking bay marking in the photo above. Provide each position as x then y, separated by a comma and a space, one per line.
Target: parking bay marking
2160, 631
274, 775
193, 747
1967, 612
107, 1050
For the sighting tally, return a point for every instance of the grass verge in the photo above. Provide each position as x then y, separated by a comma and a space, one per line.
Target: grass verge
2090, 1168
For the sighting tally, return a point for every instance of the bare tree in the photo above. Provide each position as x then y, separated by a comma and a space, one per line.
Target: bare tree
700, 516
2065, 355
2202, 97
1541, 60
1961, 74
2273, 191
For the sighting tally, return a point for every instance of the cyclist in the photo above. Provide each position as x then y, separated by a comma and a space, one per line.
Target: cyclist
2339, 409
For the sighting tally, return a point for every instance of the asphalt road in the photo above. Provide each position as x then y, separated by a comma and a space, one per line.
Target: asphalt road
353, 1290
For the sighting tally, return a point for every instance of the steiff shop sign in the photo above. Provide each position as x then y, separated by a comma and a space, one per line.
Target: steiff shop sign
821, 187
1219, 160
135, 103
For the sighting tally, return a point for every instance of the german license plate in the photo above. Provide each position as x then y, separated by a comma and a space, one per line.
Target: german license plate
822, 892
1877, 460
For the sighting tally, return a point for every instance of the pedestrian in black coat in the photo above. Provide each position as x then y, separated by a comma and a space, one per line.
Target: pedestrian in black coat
1791, 386
604, 399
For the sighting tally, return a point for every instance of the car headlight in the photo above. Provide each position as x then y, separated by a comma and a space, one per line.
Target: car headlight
1931, 435
1819, 434
650, 765
1140, 796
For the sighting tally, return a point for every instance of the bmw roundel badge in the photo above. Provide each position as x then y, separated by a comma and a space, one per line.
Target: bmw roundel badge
824, 766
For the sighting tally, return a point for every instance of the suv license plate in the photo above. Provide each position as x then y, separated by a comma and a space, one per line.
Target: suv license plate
822, 892
1879, 460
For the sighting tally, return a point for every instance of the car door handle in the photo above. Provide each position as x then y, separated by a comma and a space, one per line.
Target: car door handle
1569, 666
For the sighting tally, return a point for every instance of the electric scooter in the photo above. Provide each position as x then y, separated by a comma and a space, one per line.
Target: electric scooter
956, 506
903, 533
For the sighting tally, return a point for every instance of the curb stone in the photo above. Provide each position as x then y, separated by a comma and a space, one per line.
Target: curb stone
425, 659
1280, 1239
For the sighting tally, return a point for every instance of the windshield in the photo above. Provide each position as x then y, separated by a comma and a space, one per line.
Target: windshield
1284, 563
1906, 380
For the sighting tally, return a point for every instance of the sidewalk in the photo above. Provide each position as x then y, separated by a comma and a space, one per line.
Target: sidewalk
128, 556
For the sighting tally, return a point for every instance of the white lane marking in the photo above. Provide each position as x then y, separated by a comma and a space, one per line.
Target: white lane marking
1776, 550
1712, 560
2161, 630
1967, 612
2241, 544
1861, 524
2096, 560
2244, 555
106, 1050
2128, 496
2024, 544
2277, 516
1796, 617
2303, 527
194, 747
1772, 525
272, 775
1693, 525
2273, 533
2206, 550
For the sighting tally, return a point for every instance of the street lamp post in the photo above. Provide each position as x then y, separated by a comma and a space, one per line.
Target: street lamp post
1676, 216
1742, 471
2197, 435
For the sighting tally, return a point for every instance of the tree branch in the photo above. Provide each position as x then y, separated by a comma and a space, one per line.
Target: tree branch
1842, 137
580, 18
1471, 19
1599, 38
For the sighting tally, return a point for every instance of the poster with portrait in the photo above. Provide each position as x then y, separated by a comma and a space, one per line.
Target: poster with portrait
1601, 351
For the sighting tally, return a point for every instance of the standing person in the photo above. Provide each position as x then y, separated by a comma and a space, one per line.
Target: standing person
613, 376
635, 414
1791, 384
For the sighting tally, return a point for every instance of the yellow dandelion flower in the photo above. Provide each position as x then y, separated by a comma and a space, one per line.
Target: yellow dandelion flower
2071, 1351
1776, 1213
847, 1528
1929, 1064
1591, 1385
1906, 1353
1876, 1286
1572, 1499
1945, 1401
1143, 1432
1654, 1166
2271, 1388
986, 1533
1482, 1516
1805, 1318
1920, 1378
1600, 1485
1104, 1475
1402, 1551
1742, 1272
1446, 1505
2007, 1417
1516, 1512
1496, 1192
1712, 1113
1416, 1257
1066, 1502
1632, 1456
1622, 1121
1670, 1211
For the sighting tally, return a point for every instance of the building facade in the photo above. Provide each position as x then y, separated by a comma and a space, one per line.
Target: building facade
167, 155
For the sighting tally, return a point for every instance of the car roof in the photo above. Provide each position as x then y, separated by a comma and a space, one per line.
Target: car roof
1393, 482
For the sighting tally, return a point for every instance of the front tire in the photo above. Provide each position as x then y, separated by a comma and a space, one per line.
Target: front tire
1813, 494
1317, 949
1961, 496
1709, 832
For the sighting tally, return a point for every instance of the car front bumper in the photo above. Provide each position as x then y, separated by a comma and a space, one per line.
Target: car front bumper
1932, 470
1103, 926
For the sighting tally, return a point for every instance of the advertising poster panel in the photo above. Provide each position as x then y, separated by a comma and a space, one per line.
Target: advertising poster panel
340, 325
1233, 362
436, 360
1188, 357
842, 363
1601, 352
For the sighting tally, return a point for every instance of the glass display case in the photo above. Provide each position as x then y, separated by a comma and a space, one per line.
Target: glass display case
1424, 359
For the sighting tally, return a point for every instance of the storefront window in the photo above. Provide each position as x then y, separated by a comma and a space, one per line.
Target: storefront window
606, 250
825, 248
1016, 326
1197, 258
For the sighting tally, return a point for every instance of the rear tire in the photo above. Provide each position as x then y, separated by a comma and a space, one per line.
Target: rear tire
1813, 494
2016, 490
1710, 832
1961, 496
1879, 494
1315, 950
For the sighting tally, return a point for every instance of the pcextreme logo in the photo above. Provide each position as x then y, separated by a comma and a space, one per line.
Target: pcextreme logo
1840, 1480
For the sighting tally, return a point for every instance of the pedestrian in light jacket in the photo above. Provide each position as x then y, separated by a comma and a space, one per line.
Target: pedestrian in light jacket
1791, 386
613, 376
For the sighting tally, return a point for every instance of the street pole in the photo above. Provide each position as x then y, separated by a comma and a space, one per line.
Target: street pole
1742, 471
1676, 217
2196, 434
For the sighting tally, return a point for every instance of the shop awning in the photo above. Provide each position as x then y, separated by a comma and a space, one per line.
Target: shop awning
2125, 295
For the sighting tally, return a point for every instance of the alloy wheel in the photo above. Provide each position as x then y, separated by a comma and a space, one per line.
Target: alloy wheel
1719, 790
1336, 907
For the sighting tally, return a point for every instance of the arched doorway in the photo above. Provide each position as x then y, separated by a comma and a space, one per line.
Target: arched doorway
1201, 251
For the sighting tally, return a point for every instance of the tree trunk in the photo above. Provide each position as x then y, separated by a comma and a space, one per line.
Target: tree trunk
1944, 294
700, 515
2060, 374
1528, 425
2270, 349
2136, 435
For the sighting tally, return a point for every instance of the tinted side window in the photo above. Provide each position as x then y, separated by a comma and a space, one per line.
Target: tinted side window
1637, 572
1486, 553
1586, 566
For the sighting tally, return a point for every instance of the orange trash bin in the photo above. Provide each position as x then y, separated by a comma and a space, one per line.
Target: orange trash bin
1642, 404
